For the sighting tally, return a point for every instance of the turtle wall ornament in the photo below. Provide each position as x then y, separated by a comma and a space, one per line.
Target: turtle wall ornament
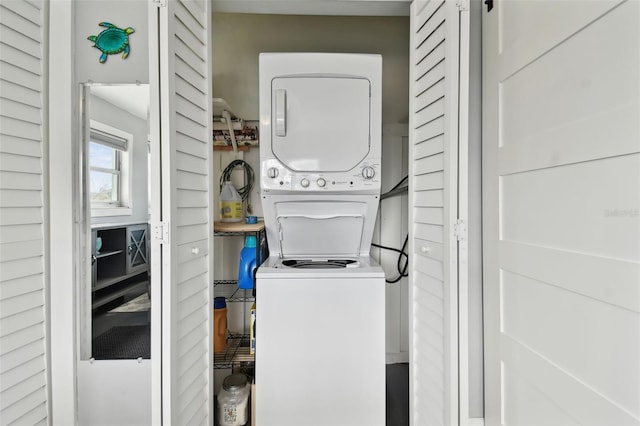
112, 40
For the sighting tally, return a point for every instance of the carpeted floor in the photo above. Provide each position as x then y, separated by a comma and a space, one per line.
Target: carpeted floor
123, 342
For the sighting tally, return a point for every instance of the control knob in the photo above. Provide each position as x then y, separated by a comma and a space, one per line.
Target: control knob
368, 172
321, 182
272, 172
304, 182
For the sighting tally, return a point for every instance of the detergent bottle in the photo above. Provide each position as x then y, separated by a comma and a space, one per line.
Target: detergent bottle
230, 203
247, 263
219, 324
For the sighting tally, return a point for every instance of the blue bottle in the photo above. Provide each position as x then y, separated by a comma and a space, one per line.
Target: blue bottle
247, 263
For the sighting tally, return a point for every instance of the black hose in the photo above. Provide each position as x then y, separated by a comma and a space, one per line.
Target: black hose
245, 191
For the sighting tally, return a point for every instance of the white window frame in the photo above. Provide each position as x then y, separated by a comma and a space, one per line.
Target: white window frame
124, 207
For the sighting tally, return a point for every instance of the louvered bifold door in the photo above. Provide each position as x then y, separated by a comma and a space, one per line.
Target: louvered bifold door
23, 366
434, 74
186, 148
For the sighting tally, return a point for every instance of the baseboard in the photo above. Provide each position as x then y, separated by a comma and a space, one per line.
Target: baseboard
476, 421
397, 358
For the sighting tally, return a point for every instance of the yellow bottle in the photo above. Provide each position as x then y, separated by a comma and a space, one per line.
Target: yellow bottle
230, 203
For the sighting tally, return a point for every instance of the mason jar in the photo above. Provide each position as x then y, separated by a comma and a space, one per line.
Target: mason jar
233, 400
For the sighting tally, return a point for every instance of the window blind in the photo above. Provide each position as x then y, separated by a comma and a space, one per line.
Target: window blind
109, 140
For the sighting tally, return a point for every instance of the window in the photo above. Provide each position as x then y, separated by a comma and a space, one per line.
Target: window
108, 171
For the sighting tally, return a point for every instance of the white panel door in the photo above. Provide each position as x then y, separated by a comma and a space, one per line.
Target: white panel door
24, 392
435, 96
561, 185
187, 214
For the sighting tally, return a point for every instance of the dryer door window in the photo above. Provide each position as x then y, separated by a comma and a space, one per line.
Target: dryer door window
320, 124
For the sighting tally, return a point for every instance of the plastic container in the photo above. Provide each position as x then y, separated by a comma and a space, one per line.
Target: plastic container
247, 263
252, 329
233, 401
219, 324
230, 203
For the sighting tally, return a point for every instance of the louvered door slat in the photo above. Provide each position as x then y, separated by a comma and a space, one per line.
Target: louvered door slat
21, 355
189, 75
17, 145
433, 37
25, 62
24, 13
190, 58
424, 10
26, 335
21, 94
20, 128
15, 198
430, 130
429, 147
192, 164
192, 341
195, 11
20, 163
192, 233
29, 368
188, 91
21, 250
194, 147
20, 111
190, 39
17, 286
18, 39
428, 98
190, 110
430, 77
14, 74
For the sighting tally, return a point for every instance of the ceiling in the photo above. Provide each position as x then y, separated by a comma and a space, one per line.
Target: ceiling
315, 7
130, 97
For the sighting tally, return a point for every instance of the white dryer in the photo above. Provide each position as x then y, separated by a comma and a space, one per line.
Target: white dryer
320, 344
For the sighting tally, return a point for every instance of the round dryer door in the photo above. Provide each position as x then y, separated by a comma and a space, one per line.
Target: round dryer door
320, 124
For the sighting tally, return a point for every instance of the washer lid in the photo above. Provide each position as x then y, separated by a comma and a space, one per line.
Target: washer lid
320, 123
307, 236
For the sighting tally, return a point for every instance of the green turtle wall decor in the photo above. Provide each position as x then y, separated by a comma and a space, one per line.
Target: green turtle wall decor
112, 40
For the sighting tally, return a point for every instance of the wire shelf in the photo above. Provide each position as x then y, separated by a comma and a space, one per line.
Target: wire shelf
236, 352
230, 291
228, 233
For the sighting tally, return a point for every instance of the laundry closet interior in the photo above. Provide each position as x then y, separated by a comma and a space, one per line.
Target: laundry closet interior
237, 41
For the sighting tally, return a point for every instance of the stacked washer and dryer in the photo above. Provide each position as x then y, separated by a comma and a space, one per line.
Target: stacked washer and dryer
320, 315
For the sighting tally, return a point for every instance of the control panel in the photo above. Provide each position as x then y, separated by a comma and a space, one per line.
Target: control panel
364, 177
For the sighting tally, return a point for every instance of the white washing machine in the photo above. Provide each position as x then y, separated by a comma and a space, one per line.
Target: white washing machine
320, 343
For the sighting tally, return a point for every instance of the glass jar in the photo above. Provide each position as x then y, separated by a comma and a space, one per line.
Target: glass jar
233, 401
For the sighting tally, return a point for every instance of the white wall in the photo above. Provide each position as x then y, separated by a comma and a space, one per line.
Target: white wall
239, 38
88, 14
237, 41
